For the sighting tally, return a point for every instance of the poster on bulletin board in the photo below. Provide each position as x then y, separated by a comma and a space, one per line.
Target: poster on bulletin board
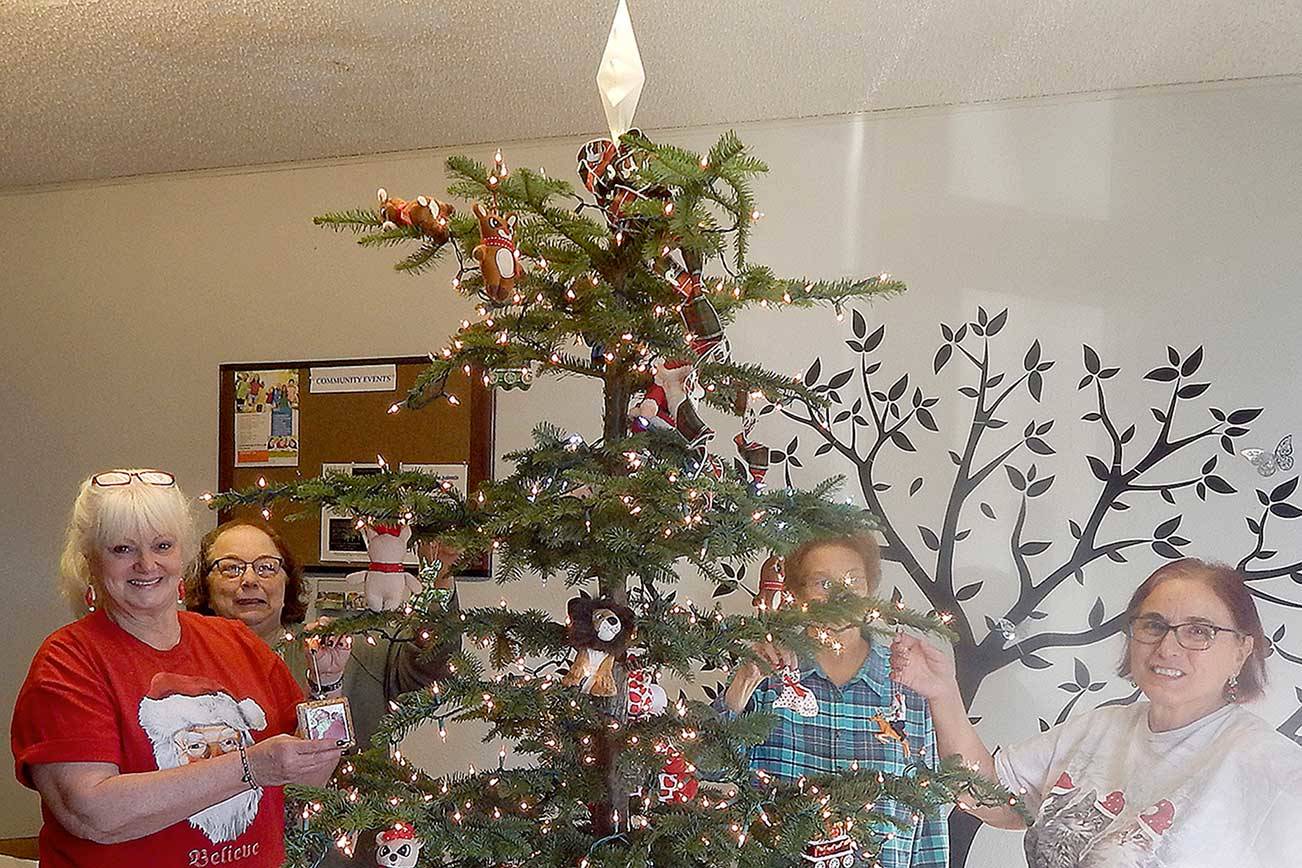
266, 418
285, 421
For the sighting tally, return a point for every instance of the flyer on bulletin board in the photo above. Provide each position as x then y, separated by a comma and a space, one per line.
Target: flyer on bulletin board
266, 418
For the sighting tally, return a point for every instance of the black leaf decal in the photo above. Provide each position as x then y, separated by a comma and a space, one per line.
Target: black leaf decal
987, 510
997, 323
1193, 390
874, 340
1285, 510
1034, 661
811, 375
1039, 447
1030, 549
1191, 364
1166, 528
1092, 363
1096, 614
857, 325
1032, 357
915, 487
929, 538
1162, 375
839, 380
1283, 490
1100, 469
901, 441
1015, 477
926, 420
1218, 485
1035, 383
1166, 550
1243, 417
967, 592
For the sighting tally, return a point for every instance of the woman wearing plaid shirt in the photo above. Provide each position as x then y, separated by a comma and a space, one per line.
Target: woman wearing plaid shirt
851, 687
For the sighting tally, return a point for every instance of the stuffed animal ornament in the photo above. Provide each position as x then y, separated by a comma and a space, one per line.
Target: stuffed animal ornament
601, 630
387, 583
397, 847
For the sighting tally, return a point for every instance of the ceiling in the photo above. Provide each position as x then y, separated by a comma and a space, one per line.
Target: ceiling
96, 89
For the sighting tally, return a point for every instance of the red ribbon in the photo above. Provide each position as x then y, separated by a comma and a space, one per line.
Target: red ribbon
388, 529
386, 568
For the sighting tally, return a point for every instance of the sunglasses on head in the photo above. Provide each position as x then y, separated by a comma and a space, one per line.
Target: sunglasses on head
113, 478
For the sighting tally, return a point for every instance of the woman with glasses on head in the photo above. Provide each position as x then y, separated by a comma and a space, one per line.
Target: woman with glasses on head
154, 736
1184, 779
245, 571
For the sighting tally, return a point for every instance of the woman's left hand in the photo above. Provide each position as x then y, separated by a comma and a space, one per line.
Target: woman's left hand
327, 655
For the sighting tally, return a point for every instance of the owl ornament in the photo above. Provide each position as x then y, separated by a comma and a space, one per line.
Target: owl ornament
601, 630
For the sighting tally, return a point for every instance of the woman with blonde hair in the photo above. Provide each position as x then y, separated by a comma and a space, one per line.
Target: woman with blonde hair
154, 736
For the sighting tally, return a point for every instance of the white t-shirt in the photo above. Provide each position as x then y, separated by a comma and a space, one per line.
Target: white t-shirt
1108, 792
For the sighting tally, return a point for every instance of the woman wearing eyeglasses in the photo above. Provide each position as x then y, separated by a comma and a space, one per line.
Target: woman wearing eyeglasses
245, 571
154, 736
1186, 778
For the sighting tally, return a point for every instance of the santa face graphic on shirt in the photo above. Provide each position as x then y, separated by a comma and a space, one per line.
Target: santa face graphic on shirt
191, 719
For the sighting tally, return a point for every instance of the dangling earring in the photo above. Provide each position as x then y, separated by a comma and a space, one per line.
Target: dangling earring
180, 593
90, 598
1232, 688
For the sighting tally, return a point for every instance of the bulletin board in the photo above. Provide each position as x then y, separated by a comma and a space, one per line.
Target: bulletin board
278, 421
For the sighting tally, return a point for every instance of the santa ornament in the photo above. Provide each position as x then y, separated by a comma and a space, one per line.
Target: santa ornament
668, 405
397, 847
192, 718
387, 583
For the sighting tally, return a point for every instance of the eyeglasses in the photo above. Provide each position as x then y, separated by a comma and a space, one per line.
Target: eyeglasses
1192, 635
265, 567
113, 478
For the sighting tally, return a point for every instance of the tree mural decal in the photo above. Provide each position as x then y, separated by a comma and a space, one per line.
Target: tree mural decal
871, 421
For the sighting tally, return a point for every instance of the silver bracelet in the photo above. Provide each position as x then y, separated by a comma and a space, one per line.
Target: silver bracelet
248, 769
319, 691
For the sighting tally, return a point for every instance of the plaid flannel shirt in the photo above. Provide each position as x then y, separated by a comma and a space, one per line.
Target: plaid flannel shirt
843, 733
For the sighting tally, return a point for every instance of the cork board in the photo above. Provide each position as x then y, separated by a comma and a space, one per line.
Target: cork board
346, 427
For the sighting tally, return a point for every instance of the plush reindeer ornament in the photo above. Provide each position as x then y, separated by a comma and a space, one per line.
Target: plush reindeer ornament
496, 252
601, 630
428, 215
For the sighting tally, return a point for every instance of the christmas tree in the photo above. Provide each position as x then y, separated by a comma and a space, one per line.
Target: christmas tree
633, 286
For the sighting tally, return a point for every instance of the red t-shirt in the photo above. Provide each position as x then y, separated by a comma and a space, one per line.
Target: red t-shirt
95, 693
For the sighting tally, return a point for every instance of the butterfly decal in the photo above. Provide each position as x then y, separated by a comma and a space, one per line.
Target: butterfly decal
1269, 462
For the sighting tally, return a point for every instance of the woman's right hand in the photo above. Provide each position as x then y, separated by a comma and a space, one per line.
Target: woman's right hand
776, 656
923, 668
287, 759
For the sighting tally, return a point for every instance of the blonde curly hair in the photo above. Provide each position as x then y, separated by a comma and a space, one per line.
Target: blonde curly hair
106, 515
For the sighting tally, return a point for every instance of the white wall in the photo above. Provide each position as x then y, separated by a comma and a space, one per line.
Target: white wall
1127, 222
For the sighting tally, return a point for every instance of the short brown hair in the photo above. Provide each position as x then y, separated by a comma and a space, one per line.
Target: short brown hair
197, 596
863, 544
1230, 586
